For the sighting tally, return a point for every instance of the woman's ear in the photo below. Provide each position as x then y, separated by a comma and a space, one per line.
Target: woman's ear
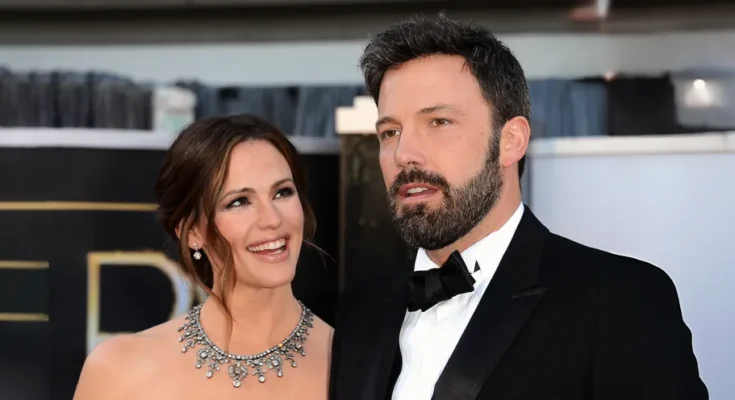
194, 238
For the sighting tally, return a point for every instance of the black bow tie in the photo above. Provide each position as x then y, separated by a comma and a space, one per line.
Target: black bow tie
439, 284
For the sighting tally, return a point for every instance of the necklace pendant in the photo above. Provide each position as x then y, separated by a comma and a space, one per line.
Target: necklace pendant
238, 366
237, 372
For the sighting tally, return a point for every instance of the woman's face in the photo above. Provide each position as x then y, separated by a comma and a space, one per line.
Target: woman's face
259, 214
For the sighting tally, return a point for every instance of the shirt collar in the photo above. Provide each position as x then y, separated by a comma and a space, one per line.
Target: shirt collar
487, 251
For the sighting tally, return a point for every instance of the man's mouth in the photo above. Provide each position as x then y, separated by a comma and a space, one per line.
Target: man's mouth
417, 191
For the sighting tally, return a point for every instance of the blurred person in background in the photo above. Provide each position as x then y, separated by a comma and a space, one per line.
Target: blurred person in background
591, 11
495, 306
231, 194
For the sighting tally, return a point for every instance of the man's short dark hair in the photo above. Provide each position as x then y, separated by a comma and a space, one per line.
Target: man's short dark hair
496, 69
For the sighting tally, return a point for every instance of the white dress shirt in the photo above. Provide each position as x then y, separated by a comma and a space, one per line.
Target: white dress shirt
428, 338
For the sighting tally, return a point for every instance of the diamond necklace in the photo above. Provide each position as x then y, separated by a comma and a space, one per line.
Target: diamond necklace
272, 359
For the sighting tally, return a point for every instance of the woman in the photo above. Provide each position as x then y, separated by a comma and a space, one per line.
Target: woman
231, 193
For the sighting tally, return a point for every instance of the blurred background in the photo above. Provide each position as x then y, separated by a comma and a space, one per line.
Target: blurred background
633, 151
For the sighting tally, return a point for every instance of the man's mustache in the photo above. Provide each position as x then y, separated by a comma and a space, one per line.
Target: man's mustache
418, 176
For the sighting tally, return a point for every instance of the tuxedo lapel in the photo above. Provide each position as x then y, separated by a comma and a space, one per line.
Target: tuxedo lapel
509, 300
366, 366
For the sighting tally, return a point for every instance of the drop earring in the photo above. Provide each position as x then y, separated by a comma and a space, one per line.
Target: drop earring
197, 255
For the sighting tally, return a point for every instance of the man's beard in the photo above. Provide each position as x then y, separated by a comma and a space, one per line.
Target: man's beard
462, 208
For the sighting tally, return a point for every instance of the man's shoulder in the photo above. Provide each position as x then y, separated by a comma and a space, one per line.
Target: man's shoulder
378, 281
360, 293
607, 267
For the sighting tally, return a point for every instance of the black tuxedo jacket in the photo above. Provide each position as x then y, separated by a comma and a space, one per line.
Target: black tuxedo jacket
558, 321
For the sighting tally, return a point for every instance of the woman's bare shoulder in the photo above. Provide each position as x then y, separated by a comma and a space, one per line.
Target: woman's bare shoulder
323, 327
322, 334
117, 365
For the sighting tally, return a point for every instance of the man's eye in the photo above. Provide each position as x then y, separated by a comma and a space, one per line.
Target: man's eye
387, 134
440, 122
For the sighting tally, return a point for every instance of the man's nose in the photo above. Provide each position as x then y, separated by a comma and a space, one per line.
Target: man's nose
409, 151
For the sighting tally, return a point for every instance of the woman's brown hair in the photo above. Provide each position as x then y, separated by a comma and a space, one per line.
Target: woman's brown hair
192, 178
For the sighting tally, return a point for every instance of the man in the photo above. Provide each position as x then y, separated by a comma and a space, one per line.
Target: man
496, 306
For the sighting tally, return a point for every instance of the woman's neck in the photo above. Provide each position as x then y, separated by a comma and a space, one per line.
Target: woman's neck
261, 318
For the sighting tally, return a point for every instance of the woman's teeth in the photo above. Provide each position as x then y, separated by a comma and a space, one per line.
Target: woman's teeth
273, 245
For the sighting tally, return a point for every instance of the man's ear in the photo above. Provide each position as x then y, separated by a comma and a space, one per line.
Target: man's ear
514, 140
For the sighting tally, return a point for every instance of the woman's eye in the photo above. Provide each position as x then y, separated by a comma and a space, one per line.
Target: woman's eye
285, 192
242, 201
